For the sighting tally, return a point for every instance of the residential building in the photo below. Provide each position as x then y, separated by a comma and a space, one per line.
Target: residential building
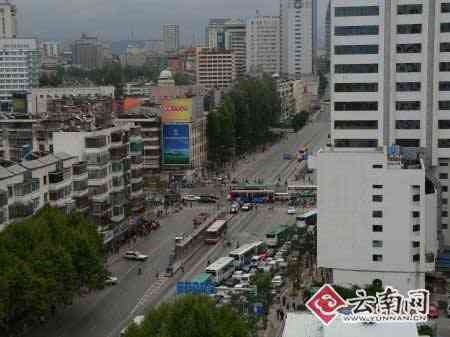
263, 45
8, 16
166, 79
88, 53
235, 40
19, 68
377, 218
171, 37
216, 68
306, 94
215, 33
39, 97
50, 49
285, 88
390, 81
298, 35
142, 89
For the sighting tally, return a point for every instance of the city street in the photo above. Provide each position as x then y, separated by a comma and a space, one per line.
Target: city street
105, 313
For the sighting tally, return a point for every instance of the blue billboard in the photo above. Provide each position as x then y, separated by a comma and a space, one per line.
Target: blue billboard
176, 144
184, 288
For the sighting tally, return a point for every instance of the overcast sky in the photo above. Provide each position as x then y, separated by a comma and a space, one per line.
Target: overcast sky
115, 19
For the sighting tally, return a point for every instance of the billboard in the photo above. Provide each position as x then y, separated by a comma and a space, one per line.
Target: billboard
178, 110
176, 144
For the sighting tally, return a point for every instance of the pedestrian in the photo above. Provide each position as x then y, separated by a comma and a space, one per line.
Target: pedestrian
182, 269
284, 301
282, 315
279, 314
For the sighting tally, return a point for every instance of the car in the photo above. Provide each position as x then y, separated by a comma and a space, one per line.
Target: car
291, 210
242, 285
234, 208
111, 280
135, 255
277, 281
206, 199
138, 320
231, 282
247, 207
190, 197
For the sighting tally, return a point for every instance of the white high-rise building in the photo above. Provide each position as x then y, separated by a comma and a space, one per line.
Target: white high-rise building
263, 44
8, 20
390, 81
235, 40
50, 49
298, 33
171, 37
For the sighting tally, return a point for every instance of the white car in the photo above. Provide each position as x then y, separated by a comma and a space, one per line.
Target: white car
111, 280
277, 281
191, 197
291, 210
247, 207
138, 320
135, 255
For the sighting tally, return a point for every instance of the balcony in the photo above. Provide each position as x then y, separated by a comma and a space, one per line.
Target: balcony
56, 177
20, 210
100, 209
3, 198
116, 137
119, 153
95, 142
80, 169
82, 203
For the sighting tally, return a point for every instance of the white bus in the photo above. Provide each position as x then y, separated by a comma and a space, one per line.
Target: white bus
215, 232
243, 255
302, 190
221, 269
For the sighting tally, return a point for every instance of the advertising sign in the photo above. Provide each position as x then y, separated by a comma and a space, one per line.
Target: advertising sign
177, 110
176, 144
184, 288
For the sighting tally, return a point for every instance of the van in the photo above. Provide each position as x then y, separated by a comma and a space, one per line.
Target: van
138, 320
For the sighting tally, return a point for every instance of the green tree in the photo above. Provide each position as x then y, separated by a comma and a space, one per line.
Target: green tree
190, 316
263, 283
425, 330
299, 120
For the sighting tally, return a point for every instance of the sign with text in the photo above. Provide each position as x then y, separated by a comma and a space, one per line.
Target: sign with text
185, 288
176, 144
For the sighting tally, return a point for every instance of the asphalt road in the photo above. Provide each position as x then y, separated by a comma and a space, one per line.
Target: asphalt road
105, 313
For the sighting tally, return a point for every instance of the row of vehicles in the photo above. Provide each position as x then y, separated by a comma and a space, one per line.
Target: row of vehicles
207, 199
260, 194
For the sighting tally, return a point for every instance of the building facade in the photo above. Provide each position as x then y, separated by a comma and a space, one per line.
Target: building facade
88, 53
19, 68
235, 40
8, 16
215, 33
263, 45
216, 68
298, 35
171, 37
50, 49
142, 89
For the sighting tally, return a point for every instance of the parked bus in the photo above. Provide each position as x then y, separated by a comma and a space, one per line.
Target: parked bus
281, 197
203, 278
307, 219
216, 231
251, 196
221, 269
250, 187
302, 190
243, 255
277, 236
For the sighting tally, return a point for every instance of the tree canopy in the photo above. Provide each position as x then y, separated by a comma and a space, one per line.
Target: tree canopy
45, 262
191, 316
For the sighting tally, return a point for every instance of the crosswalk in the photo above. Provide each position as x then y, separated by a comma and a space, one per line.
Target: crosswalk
152, 290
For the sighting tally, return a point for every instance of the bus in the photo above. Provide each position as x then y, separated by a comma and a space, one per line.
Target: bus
252, 196
307, 219
243, 255
203, 278
281, 196
302, 191
221, 269
215, 232
277, 236
250, 187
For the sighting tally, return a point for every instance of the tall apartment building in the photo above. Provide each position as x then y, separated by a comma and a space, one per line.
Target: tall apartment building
8, 18
298, 33
263, 45
19, 68
215, 33
390, 81
216, 68
88, 52
50, 49
235, 40
171, 37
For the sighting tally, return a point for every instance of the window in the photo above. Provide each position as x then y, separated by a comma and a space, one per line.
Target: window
371, 68
444, 66
445, 47
356, 106
357, 11
407, 105
443, 164
444, 188
444, 143
445, 27
409, 48
407, 124
356, 49
444, 226
444, 124
445, 7
409, 9
377, 258
377, 166
377, 187
45, 180
357, 143
355, 87
377, 198
377, 244
444, 201
444, 214
409, 29
408, 86
377, 228
415, 244
443, 175
444, 86
416, 258
416, 228
356, 30
408, 142
377, 214
409, 67
416, 197
416, 214
356, 125
444, 105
